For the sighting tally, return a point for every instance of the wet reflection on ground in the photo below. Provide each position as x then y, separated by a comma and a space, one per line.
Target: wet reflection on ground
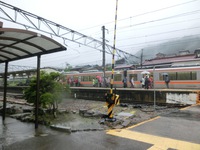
12, 130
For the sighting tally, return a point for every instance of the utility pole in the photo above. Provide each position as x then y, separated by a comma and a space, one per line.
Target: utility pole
141, 58
103, 63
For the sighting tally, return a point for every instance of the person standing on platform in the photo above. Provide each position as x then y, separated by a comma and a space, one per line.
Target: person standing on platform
124, 82
167, 80
142, 82
93, 82
96, 82
151, 82
108, 81
132, 82
147, 82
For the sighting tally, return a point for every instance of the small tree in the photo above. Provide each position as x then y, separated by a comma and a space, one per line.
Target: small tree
50, 92
68, 67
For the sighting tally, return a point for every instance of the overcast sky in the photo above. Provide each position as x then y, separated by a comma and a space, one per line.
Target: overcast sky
140, 23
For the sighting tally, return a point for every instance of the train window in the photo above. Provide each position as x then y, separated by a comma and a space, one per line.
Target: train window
183, 75
134, 76
91, 77
85, 78
180, 76
186, 76
117, 77
194, 75
172, 75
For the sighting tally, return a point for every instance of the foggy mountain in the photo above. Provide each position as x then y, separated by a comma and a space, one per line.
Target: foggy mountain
172, 47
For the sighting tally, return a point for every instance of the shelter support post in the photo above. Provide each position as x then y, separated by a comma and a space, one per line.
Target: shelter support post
5, 90
37, 91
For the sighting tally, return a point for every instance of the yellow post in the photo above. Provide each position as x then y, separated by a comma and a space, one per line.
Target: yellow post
112, 99
114, 49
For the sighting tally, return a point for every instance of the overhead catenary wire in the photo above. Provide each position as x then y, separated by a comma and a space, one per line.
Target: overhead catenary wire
152, 12
153, 21
155, 34
161, 19
142, 43
149, 12
155, 26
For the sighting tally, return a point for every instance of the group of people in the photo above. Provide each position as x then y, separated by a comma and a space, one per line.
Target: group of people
96, 82
146, 81
73, 81
131, 82
99, 82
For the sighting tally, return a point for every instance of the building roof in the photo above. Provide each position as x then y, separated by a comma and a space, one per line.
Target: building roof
17, 44
169, 60
124, 67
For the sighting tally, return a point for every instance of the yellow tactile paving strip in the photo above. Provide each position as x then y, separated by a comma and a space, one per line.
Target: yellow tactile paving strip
158, 142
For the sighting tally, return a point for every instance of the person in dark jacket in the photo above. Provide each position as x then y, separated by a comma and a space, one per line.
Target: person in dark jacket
124, 82
146, 82
167, 80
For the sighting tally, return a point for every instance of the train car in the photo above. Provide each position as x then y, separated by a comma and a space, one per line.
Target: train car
180, 77
86, 78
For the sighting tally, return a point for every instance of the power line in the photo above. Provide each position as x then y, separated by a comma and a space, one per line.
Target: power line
160, 41
172, 31
188, 20
141, 14
158, 10
161, 19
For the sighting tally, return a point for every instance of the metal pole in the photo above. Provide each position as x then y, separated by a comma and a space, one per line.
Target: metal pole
5, 90
37, 92
141, 59
112, 98
103, 47
154, 92
114, 50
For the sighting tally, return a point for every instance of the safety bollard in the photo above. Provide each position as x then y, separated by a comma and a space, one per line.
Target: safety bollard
111, 101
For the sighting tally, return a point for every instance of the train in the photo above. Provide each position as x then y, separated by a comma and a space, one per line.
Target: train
180, 77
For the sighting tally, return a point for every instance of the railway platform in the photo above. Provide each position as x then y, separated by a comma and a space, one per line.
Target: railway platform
178, 130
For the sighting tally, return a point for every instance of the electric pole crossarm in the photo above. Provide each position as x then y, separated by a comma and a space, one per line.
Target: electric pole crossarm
34, 22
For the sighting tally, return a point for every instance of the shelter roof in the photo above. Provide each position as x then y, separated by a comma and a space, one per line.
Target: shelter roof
18, 44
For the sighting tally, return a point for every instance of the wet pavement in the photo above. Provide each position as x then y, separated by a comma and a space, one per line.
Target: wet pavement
16, 135
13, 131
178, 130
